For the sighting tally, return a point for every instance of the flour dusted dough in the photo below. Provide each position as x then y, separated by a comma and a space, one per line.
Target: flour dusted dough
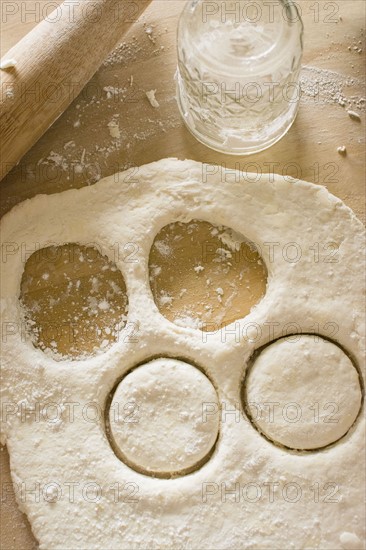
76, 492
303, 392
156, 418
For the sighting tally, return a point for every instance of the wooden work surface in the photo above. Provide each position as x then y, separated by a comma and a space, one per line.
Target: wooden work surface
78, 148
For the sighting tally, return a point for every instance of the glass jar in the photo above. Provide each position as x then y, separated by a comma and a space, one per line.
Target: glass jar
238, 72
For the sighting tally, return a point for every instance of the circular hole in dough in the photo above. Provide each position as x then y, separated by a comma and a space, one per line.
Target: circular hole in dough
205, 276
302, 392
74, 300
156, 421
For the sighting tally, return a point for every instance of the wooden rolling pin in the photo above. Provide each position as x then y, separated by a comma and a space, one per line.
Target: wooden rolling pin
53, 64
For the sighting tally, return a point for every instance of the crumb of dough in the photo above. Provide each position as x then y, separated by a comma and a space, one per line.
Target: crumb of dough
8, 64
349, 541
151, 97
342, 150
149, 31
354, 116
114, 130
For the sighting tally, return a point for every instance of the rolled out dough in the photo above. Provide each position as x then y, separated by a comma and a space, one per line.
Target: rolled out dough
250, 493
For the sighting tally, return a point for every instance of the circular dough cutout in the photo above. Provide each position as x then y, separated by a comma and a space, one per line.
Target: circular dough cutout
205, 276
157, 422
74, 300
302, 392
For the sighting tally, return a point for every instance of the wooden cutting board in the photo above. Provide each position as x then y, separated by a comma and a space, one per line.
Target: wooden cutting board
79, 147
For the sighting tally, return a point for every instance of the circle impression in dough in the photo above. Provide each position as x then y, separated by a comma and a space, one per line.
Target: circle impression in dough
156, 419
303, 392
